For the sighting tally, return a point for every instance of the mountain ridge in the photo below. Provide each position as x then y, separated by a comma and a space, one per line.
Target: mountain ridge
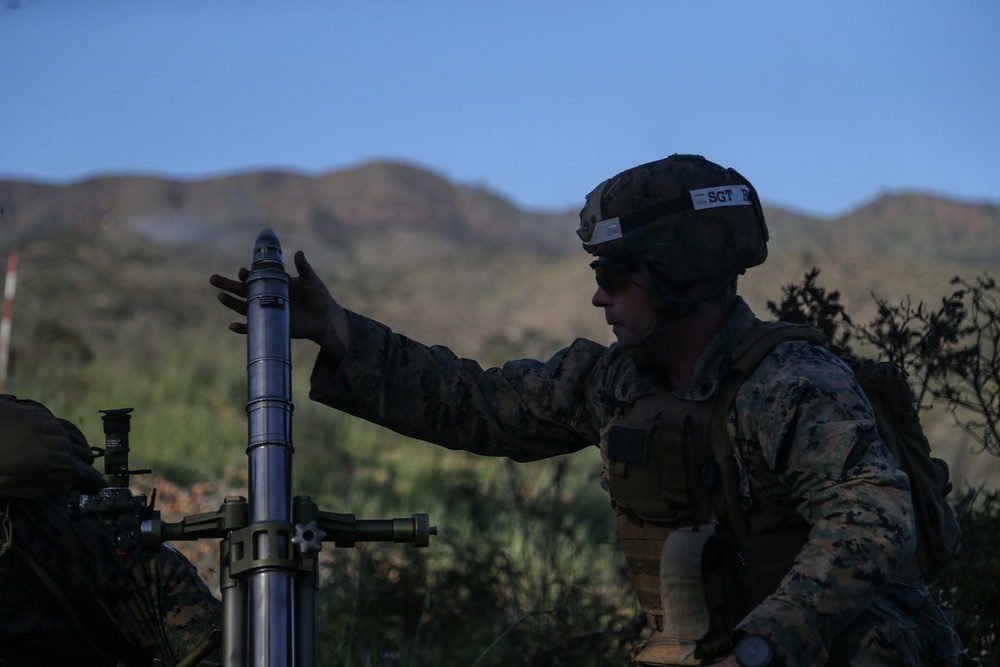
121, 259
383, 195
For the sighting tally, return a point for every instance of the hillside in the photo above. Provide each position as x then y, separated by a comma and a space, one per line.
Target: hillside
328, 210
114, 270
113, 255
899, 225
126, 257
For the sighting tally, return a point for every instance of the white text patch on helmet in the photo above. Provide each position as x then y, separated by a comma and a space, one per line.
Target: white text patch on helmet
723, 195
606, 230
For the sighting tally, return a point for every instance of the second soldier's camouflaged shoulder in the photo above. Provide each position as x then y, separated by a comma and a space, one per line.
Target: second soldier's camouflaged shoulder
806, 438
807, 388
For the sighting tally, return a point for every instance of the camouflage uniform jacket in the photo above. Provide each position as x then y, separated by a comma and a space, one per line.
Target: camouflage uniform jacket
805, 441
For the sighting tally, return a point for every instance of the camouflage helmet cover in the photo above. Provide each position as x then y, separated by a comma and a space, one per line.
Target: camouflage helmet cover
684, 215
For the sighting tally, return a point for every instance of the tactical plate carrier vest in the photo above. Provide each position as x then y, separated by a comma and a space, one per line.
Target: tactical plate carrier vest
696, 568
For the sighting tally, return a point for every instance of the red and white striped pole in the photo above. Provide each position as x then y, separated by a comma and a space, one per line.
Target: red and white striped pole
9, 288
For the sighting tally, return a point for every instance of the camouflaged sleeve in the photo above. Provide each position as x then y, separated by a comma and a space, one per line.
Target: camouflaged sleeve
132, 607
526, 410
805, 435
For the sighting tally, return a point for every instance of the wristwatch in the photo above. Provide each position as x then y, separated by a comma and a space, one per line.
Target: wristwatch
755, 651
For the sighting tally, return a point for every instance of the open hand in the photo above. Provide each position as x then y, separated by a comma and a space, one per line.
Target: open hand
314, 314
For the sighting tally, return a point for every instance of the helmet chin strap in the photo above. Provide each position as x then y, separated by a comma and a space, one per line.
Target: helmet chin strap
642, 354
670, 308
666, 300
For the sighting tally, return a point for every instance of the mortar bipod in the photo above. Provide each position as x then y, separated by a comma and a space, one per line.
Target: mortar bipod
290, 547
244, 547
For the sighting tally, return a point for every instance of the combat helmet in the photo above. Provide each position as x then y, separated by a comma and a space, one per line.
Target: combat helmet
680, 219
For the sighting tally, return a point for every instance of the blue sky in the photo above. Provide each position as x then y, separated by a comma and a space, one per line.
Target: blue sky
823, 106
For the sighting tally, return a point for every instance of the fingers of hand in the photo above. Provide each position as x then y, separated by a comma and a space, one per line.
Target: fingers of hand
227, 298
304, 268
237, 287
234, 304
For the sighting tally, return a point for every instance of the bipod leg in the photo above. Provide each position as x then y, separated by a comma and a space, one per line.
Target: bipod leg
308, 542
234, 613
306, 625
207, 645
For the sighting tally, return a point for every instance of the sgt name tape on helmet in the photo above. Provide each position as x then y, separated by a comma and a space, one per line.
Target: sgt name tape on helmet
614, 228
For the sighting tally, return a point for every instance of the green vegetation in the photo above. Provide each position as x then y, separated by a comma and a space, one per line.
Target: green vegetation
525, 568
526, 562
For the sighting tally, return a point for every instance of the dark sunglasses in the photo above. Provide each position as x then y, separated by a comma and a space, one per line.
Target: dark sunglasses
613, 276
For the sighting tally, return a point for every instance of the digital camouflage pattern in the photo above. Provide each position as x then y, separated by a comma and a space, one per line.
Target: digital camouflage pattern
804, 438
132, 607
69, 598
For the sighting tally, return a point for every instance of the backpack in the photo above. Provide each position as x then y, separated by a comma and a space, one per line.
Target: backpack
884, 383
41, 454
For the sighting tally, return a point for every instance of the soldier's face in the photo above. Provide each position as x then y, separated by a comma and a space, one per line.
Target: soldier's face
626, 303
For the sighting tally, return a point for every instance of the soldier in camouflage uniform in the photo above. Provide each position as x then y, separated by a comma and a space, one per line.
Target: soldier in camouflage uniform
807, 567
68, 596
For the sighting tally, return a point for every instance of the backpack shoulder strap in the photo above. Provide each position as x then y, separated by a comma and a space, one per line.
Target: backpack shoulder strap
764, 337
750, 351
746, 356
